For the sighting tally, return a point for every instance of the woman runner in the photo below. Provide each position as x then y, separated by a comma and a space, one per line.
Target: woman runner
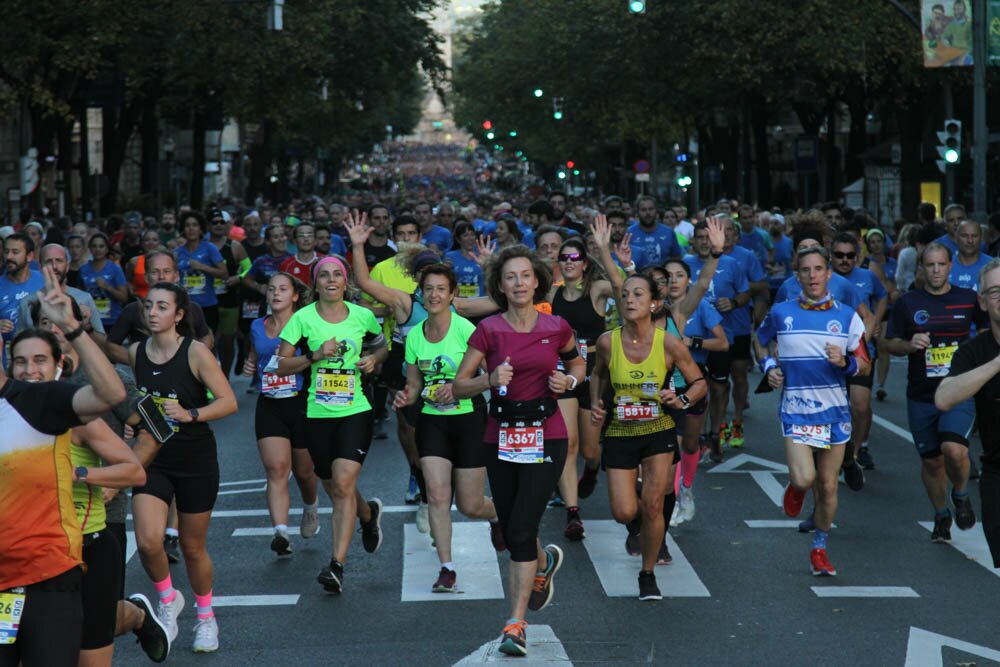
105, 281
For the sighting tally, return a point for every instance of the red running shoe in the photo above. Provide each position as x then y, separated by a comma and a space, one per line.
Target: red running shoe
792, 500
821, 566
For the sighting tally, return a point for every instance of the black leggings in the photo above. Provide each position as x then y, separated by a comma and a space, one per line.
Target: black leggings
989, 493
521, 492
51, 625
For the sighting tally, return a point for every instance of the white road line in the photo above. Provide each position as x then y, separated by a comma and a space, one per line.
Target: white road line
769, 485
235, 491
130, 546
889, 426
475, 563
733, 464
297, 511
244, 482
923, 649
544, 648
254, 600
773, 523
253, 532
972, 543
864, 592
619, 572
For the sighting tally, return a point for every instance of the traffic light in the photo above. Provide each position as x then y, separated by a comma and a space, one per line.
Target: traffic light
682, 180
561, 175
557, 108
570, 164
637, 6
512, 133
950, 148
539, 92
487, 125
491, 135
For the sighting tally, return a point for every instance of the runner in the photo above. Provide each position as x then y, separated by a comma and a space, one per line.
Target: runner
300, 264
809, 341
280, 415
227, 288
105, 281
973, 374
521, 348
177, 371
969, 259
200, 263
466, 262
449, 432
344, 341
135, 270
928, 324
639, 431
884, 267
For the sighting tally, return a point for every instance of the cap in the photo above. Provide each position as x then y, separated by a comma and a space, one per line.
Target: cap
874, 230
293, 221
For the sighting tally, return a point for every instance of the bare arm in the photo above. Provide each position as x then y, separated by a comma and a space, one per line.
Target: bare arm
957, 388
717, 343
288, 363
696, 385
207, 371
121, 468
467, 384
475, 306
396, 299
598, 377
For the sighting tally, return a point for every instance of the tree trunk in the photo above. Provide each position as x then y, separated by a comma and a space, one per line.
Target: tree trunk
149, 129
119, 124
65, 163
762, 155
911, 123
86, 184
198, 160
857, 142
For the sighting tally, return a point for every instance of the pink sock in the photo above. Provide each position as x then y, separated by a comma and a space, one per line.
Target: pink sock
204, 604
166, 589
689, 466
677, 478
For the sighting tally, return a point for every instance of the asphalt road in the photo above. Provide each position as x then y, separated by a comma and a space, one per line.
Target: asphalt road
738, 593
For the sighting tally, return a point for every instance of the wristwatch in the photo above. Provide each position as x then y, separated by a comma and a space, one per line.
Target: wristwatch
716, 255
81, 473
194, 414
684, 400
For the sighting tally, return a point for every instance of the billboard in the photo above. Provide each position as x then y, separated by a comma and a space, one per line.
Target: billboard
947, 32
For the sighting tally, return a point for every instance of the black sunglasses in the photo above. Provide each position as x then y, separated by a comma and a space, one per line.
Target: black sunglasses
845, 255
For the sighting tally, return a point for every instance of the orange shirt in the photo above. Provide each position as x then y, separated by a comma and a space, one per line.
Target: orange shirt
139, 284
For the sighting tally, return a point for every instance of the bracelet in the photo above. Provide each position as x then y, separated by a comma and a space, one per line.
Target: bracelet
696, 342
852, 366
716, 255
308, 355
75, 333
767, 363
574, 381
630, 267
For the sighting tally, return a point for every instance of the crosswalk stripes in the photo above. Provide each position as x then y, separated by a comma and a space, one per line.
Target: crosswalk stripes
474, 558
972, 543
544, 648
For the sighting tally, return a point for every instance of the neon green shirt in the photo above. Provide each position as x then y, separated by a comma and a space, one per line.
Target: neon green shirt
87, 499
438, 362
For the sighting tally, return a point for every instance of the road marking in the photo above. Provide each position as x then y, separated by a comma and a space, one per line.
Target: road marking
864, 592
297, 511
889, 426
771, 487
619, 572
543, 648
923, 649
130, 546
774, 523
253, 532
765, 479
244, 482
235, 491
254, 600
972, 543
475, 562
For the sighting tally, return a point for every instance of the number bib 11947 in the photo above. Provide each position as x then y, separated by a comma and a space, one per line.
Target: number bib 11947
468, 289
815, 435
627, 411
11, 607
335, 386
938, 360
521, 442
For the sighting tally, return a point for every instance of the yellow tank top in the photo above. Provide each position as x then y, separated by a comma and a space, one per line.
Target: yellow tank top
636, 409
87, 499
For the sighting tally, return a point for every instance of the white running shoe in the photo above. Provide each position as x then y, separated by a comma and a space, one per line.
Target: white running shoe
206, 636
423, 518
675, 516
168, 612
310, 523
685, 503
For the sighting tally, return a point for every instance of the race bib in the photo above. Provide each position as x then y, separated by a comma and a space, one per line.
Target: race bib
581, 347
251, 309
468, 289
815, 435
103, 308
194, 283
11, 608
521, 443
938, 360
429, 394
637, 410
335, 386
273, 385
219, 285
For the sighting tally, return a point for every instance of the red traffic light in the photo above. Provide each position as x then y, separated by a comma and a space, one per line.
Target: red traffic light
570, 164
487, 125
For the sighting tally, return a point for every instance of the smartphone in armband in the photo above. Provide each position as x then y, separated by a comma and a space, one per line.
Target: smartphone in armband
154, 420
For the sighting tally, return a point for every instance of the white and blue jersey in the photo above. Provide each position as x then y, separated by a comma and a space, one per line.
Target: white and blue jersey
657, 245
840, 289
967, 276
815, 391
700, 325
728, 281
468, 273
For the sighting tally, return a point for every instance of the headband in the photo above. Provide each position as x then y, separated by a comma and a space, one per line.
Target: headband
329, 259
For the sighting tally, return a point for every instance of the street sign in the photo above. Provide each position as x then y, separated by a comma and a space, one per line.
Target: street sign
642, 178
29, 171
641, 167
993, 32
806, 152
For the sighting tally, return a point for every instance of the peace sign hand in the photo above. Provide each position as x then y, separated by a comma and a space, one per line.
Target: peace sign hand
56, 304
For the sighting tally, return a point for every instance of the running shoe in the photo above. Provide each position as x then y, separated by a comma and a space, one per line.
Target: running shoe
942, 529
664, 557
675, 517
792, 500
515, 639
280, 544
379, 432
865, 459
648, 590
821, 566
151, 635
556, 500
965, 516
423, 518
171, 544
541, 592
371, 532
632, 545
724, 432
310, 522
206, 636
809, 525
167, 613
412, 496
685, 503
574, 527
446, 582
496, 537
736, 435
587, 482
854, 475
880, 393
332, 578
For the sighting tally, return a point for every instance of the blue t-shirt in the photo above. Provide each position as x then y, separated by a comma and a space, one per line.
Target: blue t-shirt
11, 294
815, 391
700, 324
728, 281
108, 308
468, 272
266, 266
947, 243
753, 242
438, 236
337, 246
866, 286
657, 245
967, 276
782, 257
889, 268
839, 287
269, 384
198, 284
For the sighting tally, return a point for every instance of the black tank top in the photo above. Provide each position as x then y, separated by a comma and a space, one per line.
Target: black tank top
255, 251
231, 298
174, 381
583, 319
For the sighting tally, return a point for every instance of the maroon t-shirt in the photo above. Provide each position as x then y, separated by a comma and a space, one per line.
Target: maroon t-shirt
533, 356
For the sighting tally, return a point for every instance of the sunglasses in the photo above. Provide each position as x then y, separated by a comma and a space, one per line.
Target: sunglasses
845, 255
570, 257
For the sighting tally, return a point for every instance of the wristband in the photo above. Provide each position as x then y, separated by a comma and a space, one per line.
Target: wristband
852, 366
75, 333
575, 382
630, 267
767, 363
308, 355
716, 255
696, 342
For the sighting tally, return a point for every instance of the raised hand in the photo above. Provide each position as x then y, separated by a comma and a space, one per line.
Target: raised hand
623, 251
716, 233
357, 227
602, 231
484, 249
55, 303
